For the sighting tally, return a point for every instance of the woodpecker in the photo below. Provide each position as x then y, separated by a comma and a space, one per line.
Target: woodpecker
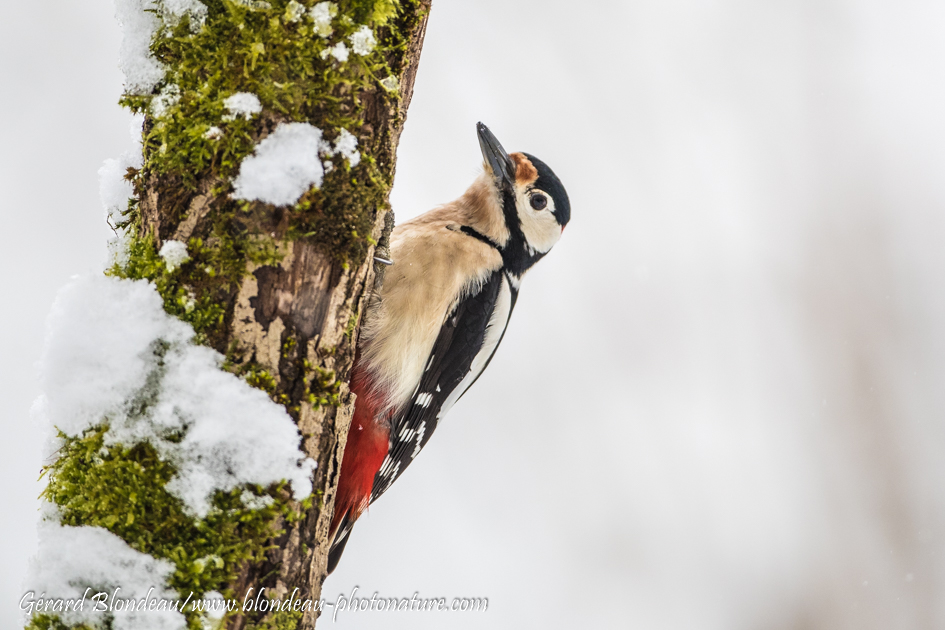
439, 316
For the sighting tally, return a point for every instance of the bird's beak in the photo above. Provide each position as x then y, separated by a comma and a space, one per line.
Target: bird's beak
495, 157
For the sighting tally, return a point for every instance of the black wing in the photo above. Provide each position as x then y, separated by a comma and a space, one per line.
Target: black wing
464, 347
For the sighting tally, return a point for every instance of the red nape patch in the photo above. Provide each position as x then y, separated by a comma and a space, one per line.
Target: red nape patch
364, 452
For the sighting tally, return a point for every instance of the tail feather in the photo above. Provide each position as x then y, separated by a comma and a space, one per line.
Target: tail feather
339, 542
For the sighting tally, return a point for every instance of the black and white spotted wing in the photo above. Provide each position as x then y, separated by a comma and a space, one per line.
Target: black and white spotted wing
466, 343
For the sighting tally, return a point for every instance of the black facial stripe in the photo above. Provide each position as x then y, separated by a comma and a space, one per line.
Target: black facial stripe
517, 257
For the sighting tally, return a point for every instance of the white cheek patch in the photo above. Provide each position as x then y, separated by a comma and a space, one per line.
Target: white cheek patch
540, 227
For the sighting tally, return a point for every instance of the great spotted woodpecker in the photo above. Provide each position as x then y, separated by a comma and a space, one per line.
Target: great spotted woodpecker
439, 316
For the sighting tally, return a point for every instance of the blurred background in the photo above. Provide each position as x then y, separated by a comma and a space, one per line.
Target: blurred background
720, 401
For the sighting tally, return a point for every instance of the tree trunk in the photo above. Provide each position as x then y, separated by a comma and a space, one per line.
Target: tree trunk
316, 298
278, 290
297, 320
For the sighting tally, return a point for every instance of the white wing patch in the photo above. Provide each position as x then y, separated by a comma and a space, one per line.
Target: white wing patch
494, 331
386, 466
392, 476
388, 471
420, 430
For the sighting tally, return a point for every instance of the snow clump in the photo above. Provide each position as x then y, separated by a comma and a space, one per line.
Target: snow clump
346, 145
115, 191
339, 51
113, 354
321, 14
139, 21
168, 98
174, 10
76, 563
362, 41
215, 607
242, 104
284, 166
286, 163
254, 502
294, 11
174, 254
138, 25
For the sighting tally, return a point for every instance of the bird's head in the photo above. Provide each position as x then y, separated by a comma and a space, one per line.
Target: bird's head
534, 201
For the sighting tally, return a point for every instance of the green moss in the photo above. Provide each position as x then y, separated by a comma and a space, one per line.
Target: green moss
324, 389
257, 376
288, 345
279, 620
51, 622
384, 10
350, 326
123, 490
340, 214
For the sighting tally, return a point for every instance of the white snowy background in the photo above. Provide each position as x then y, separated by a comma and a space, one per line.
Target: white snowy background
721, 400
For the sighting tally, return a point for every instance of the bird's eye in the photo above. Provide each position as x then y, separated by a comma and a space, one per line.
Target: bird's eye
538, 202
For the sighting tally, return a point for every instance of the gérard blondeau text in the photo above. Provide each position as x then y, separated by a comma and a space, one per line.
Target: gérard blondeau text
257, 601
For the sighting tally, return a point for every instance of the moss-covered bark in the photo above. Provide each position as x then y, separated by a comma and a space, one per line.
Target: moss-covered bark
278, 290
